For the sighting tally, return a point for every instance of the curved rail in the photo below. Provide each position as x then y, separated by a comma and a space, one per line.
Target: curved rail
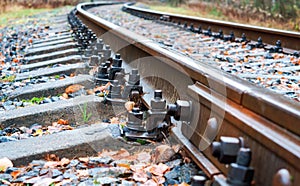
289, 39
268, 122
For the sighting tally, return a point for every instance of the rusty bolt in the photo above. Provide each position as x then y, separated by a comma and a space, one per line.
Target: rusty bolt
226, 150
239, 173
181, 110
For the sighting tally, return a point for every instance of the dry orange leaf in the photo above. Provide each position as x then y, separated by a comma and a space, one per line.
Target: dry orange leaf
120, 154
51, 157
63, 122
102, 88
159, 169
127, 166
73, 88
15, 174
15, 60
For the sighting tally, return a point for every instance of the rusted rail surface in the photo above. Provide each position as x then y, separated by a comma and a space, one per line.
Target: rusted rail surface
269, 123
289, 39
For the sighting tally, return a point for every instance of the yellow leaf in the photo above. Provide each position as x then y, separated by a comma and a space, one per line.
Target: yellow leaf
38, 132
127, 166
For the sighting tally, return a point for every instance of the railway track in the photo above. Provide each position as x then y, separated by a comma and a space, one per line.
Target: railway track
229, 126
266, 120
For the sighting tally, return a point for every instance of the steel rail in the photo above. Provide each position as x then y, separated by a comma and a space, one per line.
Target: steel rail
269, 122
289, 39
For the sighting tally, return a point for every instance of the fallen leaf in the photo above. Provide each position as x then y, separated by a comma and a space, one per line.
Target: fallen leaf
125, 165
63, 122
102, 88
90, 92
73, 88
67, 127
64, 161
51, 164
15, 60
15, 174
162, 153
51, 157
38, 132
159, 179
137, 167
84, 159
5, 163
120, 154
150, 183
65, 95
140, 176
144, 157
159, 169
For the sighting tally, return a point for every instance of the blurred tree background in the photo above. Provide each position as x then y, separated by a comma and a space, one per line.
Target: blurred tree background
282, 8
7, 4
280, 11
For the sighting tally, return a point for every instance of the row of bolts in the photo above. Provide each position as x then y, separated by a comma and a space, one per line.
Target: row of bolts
166, 20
